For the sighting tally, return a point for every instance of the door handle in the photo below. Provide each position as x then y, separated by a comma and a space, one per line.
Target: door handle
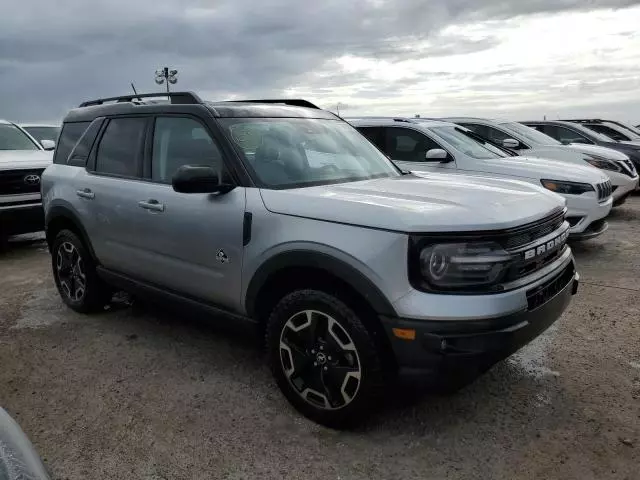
152, 205
86, 193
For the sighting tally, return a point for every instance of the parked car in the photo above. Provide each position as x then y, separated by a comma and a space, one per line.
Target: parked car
435, 146
532, 143
43, 133
22, 161
616, 130
282, 215
575, 133
18, 459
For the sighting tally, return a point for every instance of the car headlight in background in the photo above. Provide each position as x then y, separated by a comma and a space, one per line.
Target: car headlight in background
602, 163
469, 265
567, 188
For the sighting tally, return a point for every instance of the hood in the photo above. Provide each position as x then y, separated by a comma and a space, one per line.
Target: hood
15, 159
431, 202
605, 152
539, 168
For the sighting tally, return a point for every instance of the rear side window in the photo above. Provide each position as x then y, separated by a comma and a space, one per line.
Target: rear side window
609, 132
80, 153
120, 148
71, 133
374, 134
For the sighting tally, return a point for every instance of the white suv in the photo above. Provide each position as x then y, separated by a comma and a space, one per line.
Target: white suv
434, 146
22, 161
532, 143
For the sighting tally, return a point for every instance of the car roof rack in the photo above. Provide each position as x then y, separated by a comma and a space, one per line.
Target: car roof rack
177, 98
294, 102
381, 117
584, 120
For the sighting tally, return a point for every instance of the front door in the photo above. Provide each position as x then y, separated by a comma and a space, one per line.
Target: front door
408, 149
193, 242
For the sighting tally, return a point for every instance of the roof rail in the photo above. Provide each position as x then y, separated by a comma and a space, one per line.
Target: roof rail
179, 98
583, 120
294, 102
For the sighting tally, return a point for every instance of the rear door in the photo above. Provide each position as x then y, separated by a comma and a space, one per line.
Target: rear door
108, 191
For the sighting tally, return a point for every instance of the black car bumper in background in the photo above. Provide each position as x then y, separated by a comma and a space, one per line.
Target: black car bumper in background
451, 354
18, 219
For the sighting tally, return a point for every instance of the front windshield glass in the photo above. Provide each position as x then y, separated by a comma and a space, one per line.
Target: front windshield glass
44, 133
531, 134
12, 138
299, 152
463, 141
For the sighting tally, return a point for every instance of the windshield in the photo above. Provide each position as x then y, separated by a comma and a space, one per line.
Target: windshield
470, 145
530, 134
12, 138
297, 152
44, 133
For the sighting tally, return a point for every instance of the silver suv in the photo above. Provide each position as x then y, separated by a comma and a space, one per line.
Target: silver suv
280, 213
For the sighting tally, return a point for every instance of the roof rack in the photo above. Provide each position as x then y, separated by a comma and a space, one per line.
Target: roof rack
583, 120
380, 117
294, 102
179, 98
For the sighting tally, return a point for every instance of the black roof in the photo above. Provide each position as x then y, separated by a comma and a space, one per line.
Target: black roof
184, 102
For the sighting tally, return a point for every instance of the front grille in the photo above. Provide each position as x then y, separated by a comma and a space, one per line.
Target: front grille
628, 168
545, 292
16, 182
532, 232
604, 190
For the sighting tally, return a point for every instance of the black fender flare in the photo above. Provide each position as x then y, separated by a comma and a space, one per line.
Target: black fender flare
67, 213
322, 261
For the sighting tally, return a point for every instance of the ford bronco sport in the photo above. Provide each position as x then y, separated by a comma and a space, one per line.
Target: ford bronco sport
283, 214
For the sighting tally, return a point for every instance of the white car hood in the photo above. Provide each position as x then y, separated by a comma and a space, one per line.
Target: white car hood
426, 203
605, 152
18, 159
539, 168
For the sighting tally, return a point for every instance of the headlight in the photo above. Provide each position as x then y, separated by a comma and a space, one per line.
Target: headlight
463, 265
602, 163
567, 188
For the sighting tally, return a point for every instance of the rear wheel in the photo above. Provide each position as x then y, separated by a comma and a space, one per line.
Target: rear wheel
323, 358
74, 272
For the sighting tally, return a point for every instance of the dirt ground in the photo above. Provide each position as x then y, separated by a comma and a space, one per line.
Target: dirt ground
131, 394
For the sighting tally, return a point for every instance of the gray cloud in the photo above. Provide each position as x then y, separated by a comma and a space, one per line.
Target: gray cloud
83, 50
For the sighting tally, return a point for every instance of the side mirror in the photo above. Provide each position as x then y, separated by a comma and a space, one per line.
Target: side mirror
48, 144
198, 179
436, 155
510, 143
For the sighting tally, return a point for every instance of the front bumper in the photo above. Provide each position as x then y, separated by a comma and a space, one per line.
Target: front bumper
624, 189
584, 210
454, 353
21, 218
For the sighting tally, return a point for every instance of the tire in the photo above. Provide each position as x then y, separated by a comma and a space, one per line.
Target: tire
74, 273
323, 358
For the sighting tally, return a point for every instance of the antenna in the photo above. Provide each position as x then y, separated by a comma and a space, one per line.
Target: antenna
133, 87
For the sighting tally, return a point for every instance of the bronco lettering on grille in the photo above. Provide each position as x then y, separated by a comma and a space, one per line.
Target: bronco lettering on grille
547, 247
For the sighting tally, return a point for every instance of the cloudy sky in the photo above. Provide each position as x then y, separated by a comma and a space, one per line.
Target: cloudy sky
509, 58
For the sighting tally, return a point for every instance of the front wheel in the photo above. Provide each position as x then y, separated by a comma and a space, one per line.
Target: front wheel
323, 358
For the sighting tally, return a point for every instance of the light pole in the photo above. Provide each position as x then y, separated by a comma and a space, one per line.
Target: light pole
164, 75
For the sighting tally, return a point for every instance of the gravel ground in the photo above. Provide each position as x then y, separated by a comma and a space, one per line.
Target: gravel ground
141, 395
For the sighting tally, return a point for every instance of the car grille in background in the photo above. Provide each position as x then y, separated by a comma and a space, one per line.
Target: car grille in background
16, 182
628, 168
530, 233
545, 292
604, 190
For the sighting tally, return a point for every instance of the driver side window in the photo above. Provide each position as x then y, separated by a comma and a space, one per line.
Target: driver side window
406, 145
